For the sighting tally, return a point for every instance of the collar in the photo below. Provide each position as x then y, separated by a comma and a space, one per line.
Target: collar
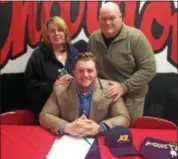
112, 38
89, 92
49, 51
120, 36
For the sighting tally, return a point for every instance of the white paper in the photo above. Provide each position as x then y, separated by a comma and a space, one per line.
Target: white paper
69, 147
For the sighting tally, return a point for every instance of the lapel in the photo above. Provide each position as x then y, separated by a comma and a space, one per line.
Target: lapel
73, 98
95, 101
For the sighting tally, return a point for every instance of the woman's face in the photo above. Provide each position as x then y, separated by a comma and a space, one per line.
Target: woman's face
55, 34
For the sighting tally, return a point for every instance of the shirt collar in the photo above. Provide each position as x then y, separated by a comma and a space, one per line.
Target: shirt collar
120, 36
90, 91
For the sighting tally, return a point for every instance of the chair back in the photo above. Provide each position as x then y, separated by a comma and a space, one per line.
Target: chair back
18, 117
147, 122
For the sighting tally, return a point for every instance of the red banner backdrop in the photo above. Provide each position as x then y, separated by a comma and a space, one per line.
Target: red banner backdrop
22, 24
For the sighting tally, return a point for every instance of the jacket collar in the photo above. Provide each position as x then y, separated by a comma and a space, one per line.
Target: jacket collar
49, 52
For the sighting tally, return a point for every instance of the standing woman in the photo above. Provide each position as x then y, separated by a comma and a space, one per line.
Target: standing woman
51, 63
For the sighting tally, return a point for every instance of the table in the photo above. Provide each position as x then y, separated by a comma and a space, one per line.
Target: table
34, 142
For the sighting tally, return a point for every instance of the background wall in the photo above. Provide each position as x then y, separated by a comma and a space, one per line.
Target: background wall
22, 25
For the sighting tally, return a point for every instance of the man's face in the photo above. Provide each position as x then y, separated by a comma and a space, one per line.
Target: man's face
110, 22
85, 73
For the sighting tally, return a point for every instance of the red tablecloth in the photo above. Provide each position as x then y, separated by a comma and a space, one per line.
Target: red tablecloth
33, 142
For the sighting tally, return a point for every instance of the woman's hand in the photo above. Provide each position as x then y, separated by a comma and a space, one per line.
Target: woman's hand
63, 79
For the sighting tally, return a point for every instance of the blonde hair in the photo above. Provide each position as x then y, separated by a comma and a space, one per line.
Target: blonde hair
59, 22
86, 56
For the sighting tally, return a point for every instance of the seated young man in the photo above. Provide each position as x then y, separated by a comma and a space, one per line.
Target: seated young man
80, 107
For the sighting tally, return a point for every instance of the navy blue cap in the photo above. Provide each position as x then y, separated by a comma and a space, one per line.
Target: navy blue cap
119, 141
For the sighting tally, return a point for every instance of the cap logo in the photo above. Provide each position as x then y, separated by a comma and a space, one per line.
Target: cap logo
123, 139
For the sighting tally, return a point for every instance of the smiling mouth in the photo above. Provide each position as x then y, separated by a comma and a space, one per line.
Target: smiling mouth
85, 80
58, 38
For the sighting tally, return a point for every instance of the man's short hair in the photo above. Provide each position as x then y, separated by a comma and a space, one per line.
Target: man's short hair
86, 56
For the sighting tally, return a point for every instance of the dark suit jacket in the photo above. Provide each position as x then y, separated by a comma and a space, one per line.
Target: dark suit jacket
63, 105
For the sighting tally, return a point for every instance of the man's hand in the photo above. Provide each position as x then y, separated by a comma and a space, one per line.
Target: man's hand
76, 127
63, 80
92, 128
82, 127
114, 91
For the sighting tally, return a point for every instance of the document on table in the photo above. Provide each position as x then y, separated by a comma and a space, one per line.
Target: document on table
69, 147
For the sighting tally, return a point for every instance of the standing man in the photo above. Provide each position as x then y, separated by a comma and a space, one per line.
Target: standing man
79, 107
125, 58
